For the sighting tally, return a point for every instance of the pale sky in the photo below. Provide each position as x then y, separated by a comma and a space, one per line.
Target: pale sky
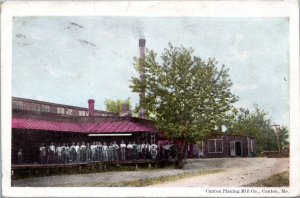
69, 60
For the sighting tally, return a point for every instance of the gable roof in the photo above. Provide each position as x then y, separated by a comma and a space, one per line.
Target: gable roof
123, 126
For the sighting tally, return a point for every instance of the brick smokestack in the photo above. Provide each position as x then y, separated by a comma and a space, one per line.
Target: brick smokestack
142, 44
91, 107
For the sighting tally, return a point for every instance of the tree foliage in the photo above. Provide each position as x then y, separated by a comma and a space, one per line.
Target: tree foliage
257, 123
283, 137
185, 95
117, 106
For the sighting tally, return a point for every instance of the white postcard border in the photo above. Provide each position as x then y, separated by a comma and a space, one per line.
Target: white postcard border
288, 8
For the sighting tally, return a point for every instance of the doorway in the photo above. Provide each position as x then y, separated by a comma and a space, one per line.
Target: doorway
238, 148
235, 148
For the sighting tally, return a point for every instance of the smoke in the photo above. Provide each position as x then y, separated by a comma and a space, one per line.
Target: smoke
141, 33
138, 30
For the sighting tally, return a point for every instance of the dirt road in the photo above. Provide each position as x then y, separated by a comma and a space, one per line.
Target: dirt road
237, 172
254, 170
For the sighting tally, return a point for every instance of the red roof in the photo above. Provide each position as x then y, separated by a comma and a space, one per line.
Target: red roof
101, 127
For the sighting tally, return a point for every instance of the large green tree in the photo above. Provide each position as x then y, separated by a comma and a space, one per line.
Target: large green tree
257, 123
185, 95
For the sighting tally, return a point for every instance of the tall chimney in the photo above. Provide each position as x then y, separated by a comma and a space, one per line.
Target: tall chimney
91, 107
142, 44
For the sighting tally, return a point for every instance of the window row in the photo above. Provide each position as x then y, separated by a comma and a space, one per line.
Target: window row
46, 108
83, 113
62, 110
30, 106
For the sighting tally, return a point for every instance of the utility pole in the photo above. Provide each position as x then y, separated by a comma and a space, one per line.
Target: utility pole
276, 128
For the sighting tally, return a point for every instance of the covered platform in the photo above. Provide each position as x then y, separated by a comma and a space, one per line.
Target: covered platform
29, 130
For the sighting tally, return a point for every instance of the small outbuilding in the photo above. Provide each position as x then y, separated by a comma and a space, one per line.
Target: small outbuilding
227, 145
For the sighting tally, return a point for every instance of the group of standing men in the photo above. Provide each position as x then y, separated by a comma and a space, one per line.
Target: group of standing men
75, 153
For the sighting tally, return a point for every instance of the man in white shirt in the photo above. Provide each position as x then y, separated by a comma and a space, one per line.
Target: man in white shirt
42, 153
123, 150
73, 152
63, 153
77, 149
58, 154
20, 156
105, 152
51, 153
147, 151
129, 151
139, 150
153, 150
82, 152
93, 148
100, 151
110, 152
67, 153
97, 151
88, 152
116, 151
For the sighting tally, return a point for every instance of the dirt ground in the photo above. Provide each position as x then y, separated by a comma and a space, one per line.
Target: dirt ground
250, 171
237, 172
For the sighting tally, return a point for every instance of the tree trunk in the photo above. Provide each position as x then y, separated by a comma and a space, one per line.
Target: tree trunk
182, 149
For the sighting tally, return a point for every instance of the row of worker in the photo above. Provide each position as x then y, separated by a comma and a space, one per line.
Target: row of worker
98, 151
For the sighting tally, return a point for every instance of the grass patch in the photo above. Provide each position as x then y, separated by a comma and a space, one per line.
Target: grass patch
277, 180
144, 182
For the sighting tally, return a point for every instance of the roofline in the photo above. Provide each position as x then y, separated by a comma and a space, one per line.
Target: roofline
33, 115
61, 105
81, 126
80, 132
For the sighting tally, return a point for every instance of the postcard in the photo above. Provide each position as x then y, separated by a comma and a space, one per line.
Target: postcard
150, 98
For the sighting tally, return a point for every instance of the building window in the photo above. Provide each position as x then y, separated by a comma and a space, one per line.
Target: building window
38, 107
82, 113
19, 105
60, 110
45, 108
215, 146
69, 111
211, 146
27, 106
15, 104
33, 107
